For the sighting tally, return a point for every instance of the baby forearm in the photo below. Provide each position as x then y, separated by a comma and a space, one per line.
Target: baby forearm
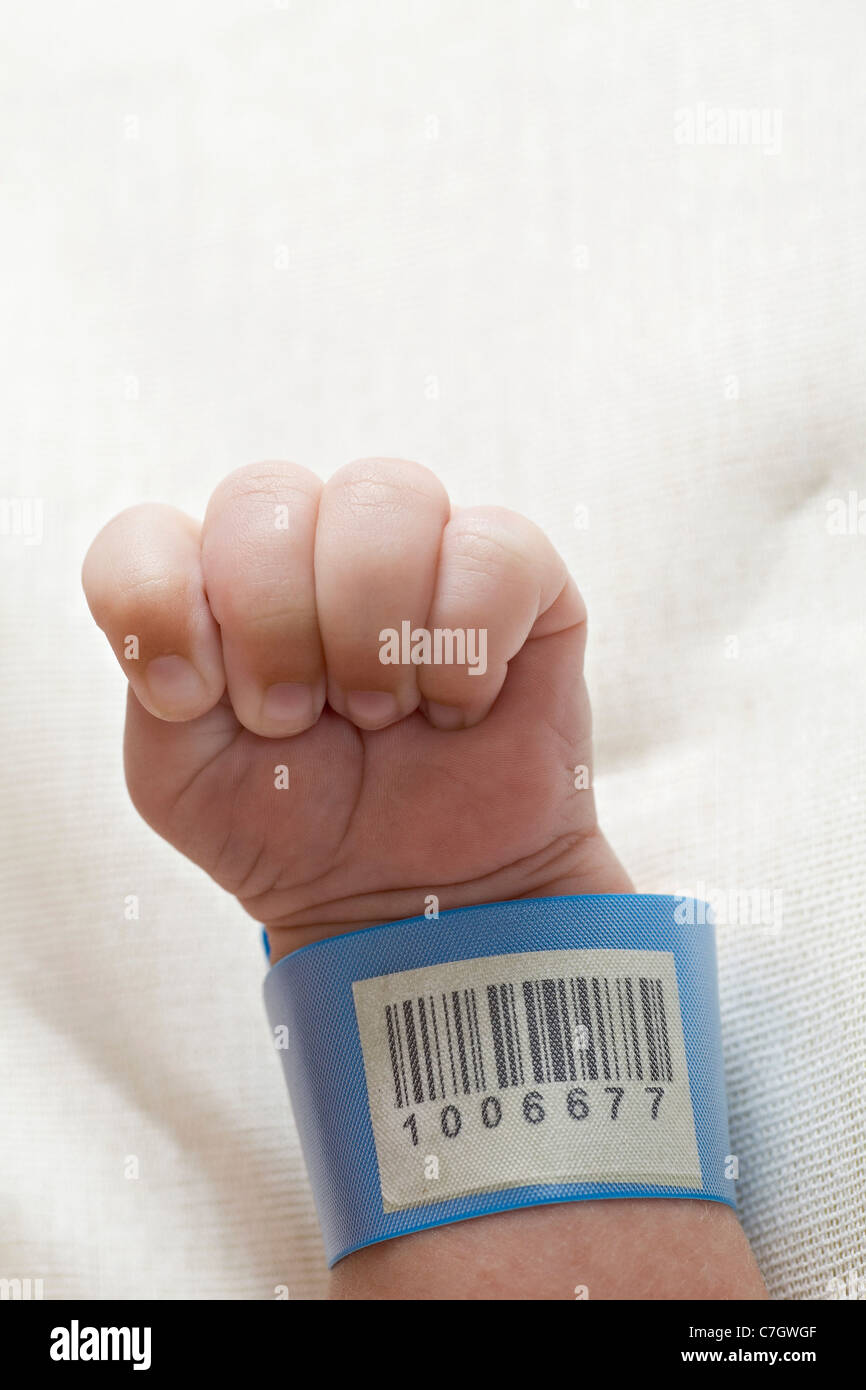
650, 1248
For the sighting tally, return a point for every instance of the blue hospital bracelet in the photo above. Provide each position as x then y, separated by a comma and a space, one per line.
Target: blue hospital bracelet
505, 1055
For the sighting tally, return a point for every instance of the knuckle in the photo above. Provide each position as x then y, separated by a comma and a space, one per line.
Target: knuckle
482, 553
272, 481
486, 542
112, 543
381, 484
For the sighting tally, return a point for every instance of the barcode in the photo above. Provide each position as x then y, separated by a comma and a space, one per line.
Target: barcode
577, 1028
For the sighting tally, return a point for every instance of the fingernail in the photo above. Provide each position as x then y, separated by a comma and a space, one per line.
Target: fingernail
372, 708
289, 704
445, 716
174, 685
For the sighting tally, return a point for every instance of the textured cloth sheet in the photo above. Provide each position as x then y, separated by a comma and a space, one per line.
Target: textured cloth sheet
600, 262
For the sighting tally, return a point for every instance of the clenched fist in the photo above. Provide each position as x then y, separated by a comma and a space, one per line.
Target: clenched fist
329, 775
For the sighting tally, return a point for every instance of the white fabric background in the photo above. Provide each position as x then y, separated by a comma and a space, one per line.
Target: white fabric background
462, 233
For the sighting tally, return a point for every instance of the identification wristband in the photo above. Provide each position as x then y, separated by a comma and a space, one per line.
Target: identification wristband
506, 1055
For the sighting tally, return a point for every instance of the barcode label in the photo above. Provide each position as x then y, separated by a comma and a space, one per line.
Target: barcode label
542, 1067
562, 1029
